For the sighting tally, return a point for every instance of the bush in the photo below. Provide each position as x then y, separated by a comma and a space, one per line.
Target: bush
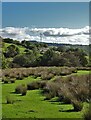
87, 115
12, 80
42, 84
78, 105
3, 78
21, 89
24, 89
18, 89
50, 90
37, 74
46, 76
6, 80
66, 100
19, 76
33, 85
9, 100
49, 96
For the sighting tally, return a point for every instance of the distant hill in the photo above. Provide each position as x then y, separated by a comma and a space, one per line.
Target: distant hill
86, 48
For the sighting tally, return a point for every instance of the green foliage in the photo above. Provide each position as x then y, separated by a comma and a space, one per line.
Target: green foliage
61, 48
8, 40
21, 60
33, 54
11, 51
5, 62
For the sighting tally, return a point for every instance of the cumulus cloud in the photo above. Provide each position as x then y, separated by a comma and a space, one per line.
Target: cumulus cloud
49, 35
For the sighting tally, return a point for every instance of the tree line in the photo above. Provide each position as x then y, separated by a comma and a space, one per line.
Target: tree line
40, 54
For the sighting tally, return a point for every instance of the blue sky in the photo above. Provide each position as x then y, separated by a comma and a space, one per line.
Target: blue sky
45, 14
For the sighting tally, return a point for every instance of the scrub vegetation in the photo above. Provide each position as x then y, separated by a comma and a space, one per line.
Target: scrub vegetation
41, 81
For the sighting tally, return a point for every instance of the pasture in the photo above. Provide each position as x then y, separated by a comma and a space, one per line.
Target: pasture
33, 104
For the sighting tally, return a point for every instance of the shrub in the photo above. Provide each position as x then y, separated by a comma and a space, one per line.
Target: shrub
87, 115
12, 75
42, 84
66, 100
49, 96
6, 80
19, 76
6, 75
18, 89
25, 73
3, 78
21, 89
33, 85
46, 76
78, 105
12, 80
50, 90
9, 100
37, 73
64, 95
24, 89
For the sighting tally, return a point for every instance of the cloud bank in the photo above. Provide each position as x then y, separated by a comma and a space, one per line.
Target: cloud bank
49, 35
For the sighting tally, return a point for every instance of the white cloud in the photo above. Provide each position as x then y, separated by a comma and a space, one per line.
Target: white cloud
53, 35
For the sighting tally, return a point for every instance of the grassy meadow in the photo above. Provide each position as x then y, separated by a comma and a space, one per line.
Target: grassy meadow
33, 104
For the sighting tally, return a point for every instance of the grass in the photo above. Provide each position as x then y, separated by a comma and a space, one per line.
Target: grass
33, 105
82, 72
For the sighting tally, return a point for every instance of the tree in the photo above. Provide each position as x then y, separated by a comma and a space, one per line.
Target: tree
21, 60
47, 57
11, 51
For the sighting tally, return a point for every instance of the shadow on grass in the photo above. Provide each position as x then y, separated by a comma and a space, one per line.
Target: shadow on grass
12, 92
16, 93
72, 110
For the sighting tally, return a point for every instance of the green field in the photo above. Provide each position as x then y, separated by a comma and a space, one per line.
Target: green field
33, 104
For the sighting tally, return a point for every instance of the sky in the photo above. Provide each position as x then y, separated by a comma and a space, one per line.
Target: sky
49, 14
57, 21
